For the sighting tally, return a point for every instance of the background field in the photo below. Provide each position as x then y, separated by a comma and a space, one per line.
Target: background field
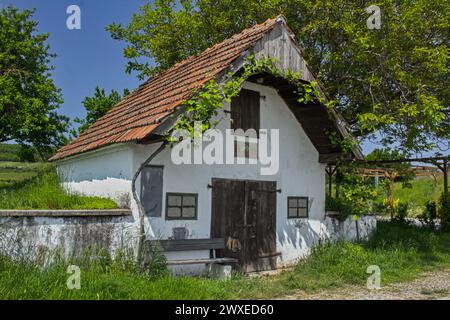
14, 170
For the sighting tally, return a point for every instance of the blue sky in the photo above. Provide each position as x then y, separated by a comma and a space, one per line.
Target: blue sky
86, 57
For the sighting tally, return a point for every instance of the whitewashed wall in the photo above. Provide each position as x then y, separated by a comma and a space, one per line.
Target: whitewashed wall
104, 173
33, 236
300, 174
108, 172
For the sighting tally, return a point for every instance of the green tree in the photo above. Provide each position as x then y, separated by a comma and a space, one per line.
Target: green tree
28, 97
97, 106
392, 82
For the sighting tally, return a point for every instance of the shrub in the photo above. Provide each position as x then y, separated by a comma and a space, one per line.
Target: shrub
401, 212
357, 193
333, 204
26, 154
340, 206
429, 214
444, 212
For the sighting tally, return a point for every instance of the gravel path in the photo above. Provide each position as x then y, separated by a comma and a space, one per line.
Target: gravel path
430, 285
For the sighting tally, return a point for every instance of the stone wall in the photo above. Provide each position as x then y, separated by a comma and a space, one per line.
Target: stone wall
70, 232
32, 233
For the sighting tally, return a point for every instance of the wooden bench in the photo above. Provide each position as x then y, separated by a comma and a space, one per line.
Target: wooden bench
194, 244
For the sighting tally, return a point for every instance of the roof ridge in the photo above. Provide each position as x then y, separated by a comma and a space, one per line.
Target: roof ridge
191, 57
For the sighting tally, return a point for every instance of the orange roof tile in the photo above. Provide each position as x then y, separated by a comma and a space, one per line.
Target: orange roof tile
139, 113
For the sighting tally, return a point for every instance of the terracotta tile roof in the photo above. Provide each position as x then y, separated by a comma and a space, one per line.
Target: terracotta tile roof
139, 113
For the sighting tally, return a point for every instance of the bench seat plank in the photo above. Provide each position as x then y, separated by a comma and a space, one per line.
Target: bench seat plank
189, 244
203, 261
193, 244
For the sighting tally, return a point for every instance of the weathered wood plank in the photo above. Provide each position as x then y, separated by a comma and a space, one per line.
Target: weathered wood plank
189, 244
203, 261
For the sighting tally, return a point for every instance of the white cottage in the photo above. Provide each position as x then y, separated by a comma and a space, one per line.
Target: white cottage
263, 221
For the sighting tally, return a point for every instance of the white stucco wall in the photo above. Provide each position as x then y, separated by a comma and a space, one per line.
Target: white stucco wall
108, 172
104, 173
300, 174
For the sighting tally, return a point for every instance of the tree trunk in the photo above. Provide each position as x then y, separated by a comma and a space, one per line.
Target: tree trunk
139, 204
445, 169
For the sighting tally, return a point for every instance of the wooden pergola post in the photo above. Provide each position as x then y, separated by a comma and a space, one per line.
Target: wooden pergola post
444, 166
339, 178
445, 170
330, 170
435, 177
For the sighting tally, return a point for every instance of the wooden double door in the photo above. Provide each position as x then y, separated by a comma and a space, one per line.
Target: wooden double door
244, 214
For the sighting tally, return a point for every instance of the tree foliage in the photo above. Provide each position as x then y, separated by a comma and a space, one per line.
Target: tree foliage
97, 106
29, 98
392, 81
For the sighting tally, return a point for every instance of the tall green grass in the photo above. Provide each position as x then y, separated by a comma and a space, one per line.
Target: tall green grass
402, 252
46, 192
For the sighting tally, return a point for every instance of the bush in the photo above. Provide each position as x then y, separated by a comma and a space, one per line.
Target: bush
401, 212
338, 205
27, 154
444, 212
333, 204
429, 214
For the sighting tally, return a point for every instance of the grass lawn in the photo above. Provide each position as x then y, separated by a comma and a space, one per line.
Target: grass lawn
402, 253
36, 186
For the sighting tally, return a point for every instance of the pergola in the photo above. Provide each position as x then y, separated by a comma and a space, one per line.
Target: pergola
440, 163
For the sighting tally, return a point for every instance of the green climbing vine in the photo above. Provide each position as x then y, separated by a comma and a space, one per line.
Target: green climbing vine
205, 103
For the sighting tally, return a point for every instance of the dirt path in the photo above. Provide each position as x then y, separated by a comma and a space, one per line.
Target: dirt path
430, 285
